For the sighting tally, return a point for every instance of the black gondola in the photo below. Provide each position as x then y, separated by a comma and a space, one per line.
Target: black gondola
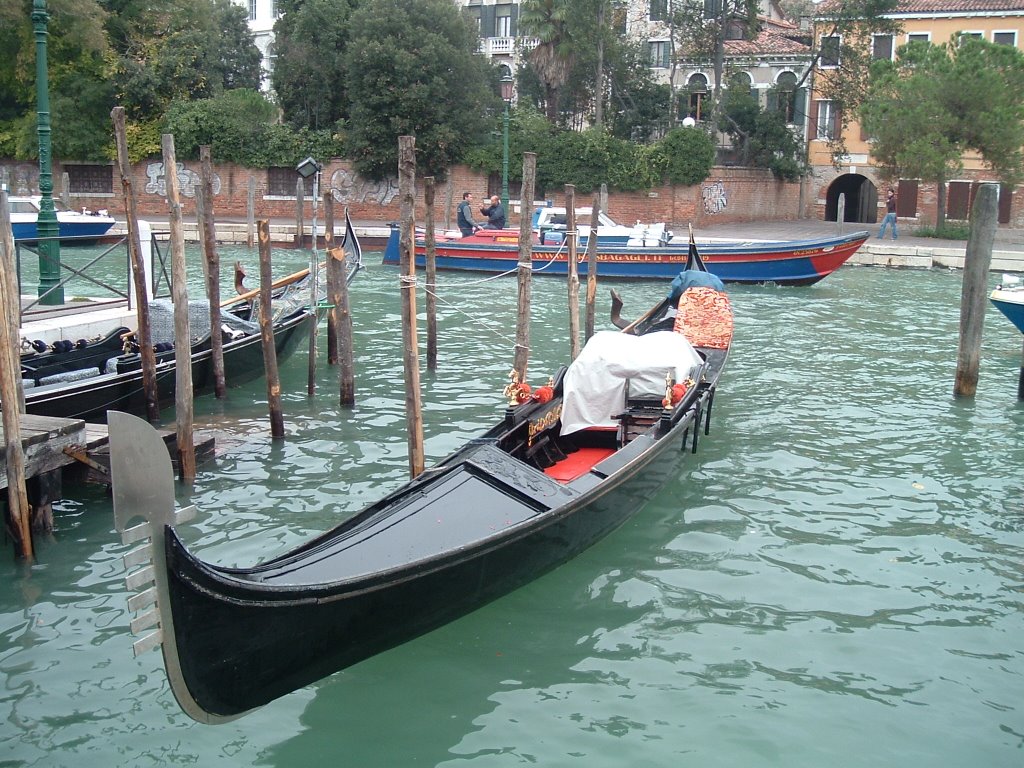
558, 473
86, 379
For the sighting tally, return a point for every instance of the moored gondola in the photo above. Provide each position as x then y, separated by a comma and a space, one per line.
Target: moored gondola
564, 466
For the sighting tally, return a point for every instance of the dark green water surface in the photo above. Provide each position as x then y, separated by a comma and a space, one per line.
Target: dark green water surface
835, 578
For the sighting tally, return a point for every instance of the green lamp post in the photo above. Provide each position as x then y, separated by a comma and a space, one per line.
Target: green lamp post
506, 96
47, 225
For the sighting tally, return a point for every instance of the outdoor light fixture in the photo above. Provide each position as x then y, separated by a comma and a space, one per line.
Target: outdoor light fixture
689, 122
506, 96
307, 167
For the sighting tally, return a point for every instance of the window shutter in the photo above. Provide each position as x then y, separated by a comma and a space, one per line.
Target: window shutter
800, 106
906, 198
813, 131
487, 21
514, 24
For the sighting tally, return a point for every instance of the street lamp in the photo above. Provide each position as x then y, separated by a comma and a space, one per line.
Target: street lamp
47, 227
310, 167
506, 96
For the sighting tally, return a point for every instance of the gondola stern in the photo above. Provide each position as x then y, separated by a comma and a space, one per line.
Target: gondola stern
143, 487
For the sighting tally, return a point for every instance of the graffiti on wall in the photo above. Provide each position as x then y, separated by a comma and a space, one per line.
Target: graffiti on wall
21, 179
348, 187
188, 181
714, 197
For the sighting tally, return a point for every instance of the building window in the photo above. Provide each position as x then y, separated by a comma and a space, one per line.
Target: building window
281, 182
785, 95
252, 10
90, 179
659, 50
1005, 38
740, 83
881, 47
919, 37
825, 128
659, 10
978, 35
275, 9
502, 25
698, 89
830, 51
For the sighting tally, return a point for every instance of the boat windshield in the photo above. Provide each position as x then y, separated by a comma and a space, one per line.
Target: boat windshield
22, 206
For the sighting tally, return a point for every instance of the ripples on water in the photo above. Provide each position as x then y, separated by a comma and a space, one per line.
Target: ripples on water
834, 578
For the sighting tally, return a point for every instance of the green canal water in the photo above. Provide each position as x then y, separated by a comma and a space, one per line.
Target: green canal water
835, 578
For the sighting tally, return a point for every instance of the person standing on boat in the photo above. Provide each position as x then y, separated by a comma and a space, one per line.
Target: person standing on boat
495, 213
465, 215
890, 214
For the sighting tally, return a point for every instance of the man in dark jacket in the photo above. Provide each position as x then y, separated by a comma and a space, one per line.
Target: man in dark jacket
495, 213
464, 217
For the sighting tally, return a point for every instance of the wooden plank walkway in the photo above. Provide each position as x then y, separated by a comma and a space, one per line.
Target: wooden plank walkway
48, 442
43, 440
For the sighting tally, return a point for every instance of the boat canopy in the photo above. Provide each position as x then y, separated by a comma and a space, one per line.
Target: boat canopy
613, 364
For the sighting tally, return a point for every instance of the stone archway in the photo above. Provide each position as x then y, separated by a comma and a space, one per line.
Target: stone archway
861, 199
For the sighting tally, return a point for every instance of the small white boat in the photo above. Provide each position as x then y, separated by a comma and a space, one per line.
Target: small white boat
84, 223
1009, 299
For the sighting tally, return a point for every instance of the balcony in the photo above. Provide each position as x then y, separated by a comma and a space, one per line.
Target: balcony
506, 46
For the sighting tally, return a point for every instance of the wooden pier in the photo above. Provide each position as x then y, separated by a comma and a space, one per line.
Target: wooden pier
55, 448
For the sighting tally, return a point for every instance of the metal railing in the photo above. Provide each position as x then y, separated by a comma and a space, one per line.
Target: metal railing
100, 274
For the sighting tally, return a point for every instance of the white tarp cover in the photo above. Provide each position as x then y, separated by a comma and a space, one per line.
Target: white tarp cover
595, 384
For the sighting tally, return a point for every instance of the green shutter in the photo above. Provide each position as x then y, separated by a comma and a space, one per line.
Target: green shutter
515, 20
487, 21
800, 112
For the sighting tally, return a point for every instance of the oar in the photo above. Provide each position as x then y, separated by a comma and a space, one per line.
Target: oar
287, 280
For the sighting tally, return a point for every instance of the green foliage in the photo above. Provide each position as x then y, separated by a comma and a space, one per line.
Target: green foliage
310, 76
593, 157
239, 127
180, 50
685, 156
414, 71
143, 140
947, 232
936, 102
762, 139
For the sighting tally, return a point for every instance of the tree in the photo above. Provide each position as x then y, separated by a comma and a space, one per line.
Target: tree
553, 58
179, 49
309, 77
699, 31
413, 70
79, 79
761, 138
935, 102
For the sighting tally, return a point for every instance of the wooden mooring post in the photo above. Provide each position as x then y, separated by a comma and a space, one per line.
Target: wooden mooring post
267, 333
430, 272
595, 214
974, 294
18, 512
524, 270
143, 334
407, 282
331, 276
574, 275
207, 225
183, 404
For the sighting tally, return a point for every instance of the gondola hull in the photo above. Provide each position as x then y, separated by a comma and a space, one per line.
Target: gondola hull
91, 398
241, 648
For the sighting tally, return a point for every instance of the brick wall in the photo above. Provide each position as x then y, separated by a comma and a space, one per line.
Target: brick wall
729, 195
